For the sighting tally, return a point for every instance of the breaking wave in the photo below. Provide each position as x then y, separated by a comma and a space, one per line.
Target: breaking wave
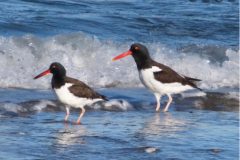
35, 106
89, 59
211, 101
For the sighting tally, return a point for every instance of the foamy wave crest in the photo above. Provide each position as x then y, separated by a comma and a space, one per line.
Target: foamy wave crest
29, 107
214, 75
89, 59
113, 105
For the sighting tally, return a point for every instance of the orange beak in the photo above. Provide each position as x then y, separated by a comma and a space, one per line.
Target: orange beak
42, 74
122, 55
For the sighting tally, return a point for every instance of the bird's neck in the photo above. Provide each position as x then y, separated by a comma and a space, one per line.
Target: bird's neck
143, 63
58, 81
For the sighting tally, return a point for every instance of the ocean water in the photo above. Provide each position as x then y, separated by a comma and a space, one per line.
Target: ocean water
198, 38
127, 127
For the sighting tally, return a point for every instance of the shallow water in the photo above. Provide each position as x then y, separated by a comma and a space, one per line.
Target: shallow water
132, 131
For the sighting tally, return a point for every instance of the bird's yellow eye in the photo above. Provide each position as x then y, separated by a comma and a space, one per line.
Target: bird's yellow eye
136, 48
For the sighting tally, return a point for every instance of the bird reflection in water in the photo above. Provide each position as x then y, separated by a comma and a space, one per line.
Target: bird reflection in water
72, 134
162, 125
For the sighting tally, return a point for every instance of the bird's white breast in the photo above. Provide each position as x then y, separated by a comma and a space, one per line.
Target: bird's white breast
147, 78
66, 97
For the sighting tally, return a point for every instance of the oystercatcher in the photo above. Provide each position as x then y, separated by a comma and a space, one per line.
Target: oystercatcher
70, 91
158, 78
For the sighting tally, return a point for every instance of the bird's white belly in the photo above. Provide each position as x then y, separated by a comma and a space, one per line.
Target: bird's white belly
147, 78
68, 98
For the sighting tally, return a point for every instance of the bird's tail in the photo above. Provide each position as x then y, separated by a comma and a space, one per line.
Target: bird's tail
192, 82
104, 98
192, 79
198, 88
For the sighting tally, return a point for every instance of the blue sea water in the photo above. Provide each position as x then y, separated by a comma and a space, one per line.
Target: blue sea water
199, 38
197, 128
171, 22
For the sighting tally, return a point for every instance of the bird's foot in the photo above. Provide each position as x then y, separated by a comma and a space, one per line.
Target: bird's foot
157, 109
77, 123
165, 110
66, 118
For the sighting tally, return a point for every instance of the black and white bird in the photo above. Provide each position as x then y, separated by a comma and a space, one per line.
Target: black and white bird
158, 78
70, 91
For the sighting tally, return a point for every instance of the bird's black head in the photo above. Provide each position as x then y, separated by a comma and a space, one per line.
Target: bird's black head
140, 54
56, 69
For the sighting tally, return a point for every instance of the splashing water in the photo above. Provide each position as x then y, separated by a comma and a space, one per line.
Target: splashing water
89, 59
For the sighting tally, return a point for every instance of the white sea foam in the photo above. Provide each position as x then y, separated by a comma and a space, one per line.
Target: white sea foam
26, 107
193, 94
118, 105
11, 107
112, 105
89, 59
43, 105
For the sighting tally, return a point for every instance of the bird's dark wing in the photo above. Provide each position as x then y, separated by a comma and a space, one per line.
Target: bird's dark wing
167, 75
80, 89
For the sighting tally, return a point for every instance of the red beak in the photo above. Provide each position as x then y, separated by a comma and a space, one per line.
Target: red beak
122, 55
42, 74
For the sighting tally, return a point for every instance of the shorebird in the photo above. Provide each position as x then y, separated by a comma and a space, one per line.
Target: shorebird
157, 77
70, 91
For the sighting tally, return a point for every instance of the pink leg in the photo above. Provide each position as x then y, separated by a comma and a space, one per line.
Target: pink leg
158, 98
169, 102
67, 114
80, 116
